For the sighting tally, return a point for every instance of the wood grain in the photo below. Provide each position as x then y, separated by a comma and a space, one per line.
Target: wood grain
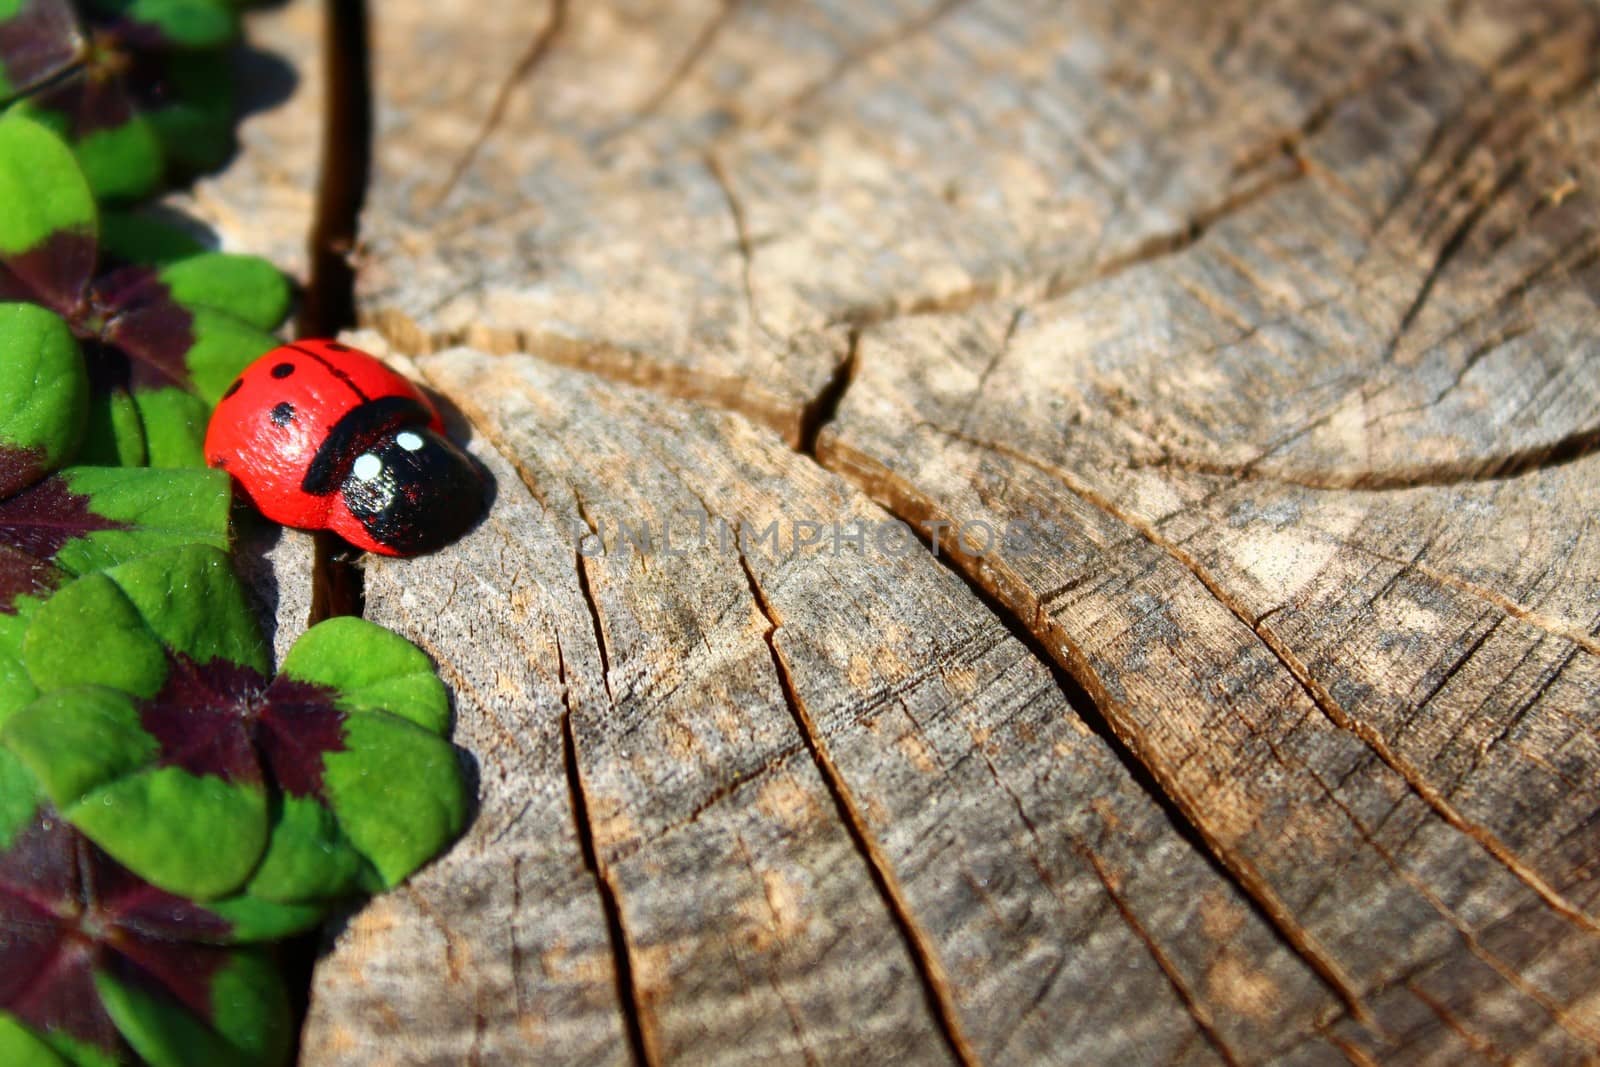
825, 841
1272, 325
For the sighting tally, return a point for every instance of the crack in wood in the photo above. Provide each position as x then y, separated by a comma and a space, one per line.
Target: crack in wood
1570, 448
1042, 288
1312, 687
1476, 1041
741, 231
921, 949
1528, 705
824, 407
616, 363
1201, 1015
1391, 61
1197, 1011
1555, 627
344, 171
344, 174
999, 588
1468, 937
1448, 251
1565, 629
1458, 664
692, 56
716, 797
518, 993
538, 50
581, 564
908, 31
641, 1038
998, 356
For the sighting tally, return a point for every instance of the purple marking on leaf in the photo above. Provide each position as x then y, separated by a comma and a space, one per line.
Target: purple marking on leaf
124, 33
203, 719
68, 911
146, 76
134, 334
91, 100
38, 42
24, 575
299, 725
225, 719
46, 515
12, 288
126, 288
54, 273
21, 467
152, 331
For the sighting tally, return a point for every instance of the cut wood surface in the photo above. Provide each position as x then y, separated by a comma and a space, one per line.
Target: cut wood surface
1273, 326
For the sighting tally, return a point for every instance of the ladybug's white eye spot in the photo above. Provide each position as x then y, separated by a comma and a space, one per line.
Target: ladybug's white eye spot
368, 466
409, 441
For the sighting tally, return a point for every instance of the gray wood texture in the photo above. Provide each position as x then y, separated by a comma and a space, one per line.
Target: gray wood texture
1272, 324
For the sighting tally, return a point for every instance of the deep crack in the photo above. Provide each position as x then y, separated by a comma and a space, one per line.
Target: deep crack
922, 951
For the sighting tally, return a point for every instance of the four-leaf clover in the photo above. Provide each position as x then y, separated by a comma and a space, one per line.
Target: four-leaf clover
162, 734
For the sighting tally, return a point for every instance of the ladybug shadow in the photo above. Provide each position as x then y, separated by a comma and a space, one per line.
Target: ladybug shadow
257, 544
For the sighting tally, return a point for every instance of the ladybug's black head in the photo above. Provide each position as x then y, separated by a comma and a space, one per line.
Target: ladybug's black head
413, 490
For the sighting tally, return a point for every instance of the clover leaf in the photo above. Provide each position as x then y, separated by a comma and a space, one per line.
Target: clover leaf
57, 526
38, 40
162, 340
163, 737
47, 395
98, 967
139, 87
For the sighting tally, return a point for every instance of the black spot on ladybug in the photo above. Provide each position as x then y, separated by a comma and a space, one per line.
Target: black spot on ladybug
238, 383
283, 370
282, 414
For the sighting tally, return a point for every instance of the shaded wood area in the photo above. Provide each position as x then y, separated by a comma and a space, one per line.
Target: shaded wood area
1274, 324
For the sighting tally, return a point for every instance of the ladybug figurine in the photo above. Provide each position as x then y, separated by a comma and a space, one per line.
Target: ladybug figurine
322, 436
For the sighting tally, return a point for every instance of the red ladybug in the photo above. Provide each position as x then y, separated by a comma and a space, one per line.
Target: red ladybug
324, 437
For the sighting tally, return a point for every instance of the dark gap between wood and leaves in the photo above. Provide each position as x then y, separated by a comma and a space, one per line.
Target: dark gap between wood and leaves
327, 307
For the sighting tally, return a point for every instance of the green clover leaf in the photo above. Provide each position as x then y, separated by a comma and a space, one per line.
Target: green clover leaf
174, 750
46, 388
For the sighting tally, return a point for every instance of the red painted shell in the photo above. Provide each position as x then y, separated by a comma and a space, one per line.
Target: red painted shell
320, 435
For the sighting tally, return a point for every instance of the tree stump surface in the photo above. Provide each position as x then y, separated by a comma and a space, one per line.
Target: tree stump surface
1273, 326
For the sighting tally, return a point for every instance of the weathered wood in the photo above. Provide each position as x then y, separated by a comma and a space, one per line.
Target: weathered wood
1414, 661
498, 951
1275, 321
845, 853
